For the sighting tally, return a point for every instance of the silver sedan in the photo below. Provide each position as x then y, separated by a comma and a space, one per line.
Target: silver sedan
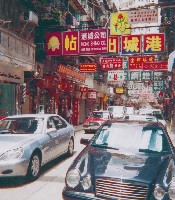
29, 141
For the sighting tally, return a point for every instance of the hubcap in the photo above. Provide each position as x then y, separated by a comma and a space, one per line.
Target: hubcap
35, 165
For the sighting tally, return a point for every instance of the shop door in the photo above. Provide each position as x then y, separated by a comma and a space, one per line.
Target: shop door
7, 99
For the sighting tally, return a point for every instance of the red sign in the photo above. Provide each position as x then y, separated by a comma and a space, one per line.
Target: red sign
154, 43
136, 62
94, 41
71, 73
111, 63
131, 44
70, 43
155, 65
53, 44
92, 95
113, 44
88, 67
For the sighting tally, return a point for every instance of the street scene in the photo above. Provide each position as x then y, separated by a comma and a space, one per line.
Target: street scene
87, 99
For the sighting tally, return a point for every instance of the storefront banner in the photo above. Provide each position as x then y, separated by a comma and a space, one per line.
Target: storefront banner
158, 85
117, 75
119, 90
159, 65
92, 95
113, 44
134, 75
111, 63
146, 75
136, 62
154, 43
88, 67
143, 16
93, 41
130, 44
158, 75
119, 24
10, 74
53, 44
70, 43
67, 71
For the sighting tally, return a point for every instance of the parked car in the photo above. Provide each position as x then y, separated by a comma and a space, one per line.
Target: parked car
154, 112
91, 124
141, 118
117, 111
124, 160
29, 141
130, 110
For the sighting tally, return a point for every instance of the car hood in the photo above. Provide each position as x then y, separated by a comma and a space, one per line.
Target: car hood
95, 120
13, 141
115, 164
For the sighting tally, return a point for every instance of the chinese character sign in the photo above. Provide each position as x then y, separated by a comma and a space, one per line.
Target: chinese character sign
70, 43
117, 75
93, 41
88, 67
111, 63
131, 44
53, 44
146, 75
119, 24
113, 44
136, 62
158, 85
143, 16
158, 75
134, 75
159, 65
154, 43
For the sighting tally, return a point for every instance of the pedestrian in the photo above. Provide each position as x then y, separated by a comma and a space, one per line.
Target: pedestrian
69, 114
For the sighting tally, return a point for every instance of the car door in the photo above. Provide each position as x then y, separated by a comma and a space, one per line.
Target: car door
63, 135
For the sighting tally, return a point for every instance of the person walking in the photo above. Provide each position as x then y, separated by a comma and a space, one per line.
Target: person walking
69, 114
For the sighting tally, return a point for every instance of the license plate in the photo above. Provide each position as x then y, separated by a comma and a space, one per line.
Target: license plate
91, 123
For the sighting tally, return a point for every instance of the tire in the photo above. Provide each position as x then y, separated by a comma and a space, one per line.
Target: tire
34, 167
70, 148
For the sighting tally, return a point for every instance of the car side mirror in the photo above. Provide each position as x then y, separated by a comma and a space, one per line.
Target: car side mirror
84, 141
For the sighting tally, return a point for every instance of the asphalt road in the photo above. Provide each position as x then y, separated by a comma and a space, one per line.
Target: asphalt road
50, 184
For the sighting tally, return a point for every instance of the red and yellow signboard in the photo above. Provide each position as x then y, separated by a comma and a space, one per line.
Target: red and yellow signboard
88, 67
53, 44
136, 62
93, 41
113, 44
111, 63
70, 43
131, 44
154, 43
159, 65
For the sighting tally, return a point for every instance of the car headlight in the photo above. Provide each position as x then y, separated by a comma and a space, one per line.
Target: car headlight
12, 154
73, 178
86, 182
159, 192
171, 190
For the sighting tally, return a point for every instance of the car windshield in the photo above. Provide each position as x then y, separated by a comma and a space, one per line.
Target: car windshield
134, 137
21, 125
116, 109
158, 115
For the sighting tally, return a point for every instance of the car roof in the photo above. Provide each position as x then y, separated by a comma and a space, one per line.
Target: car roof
140, 117
124, 121
32, 115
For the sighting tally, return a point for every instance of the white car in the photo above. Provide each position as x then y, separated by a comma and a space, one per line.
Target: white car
141, 118
31, 140
117, 111
153, 112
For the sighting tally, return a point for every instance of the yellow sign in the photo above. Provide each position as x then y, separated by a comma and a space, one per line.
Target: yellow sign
119, 90
119, 24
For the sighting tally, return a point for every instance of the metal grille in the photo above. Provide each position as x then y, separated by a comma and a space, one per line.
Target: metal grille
118, 189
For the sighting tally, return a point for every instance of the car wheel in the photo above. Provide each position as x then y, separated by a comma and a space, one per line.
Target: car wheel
70, 148
34, 167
